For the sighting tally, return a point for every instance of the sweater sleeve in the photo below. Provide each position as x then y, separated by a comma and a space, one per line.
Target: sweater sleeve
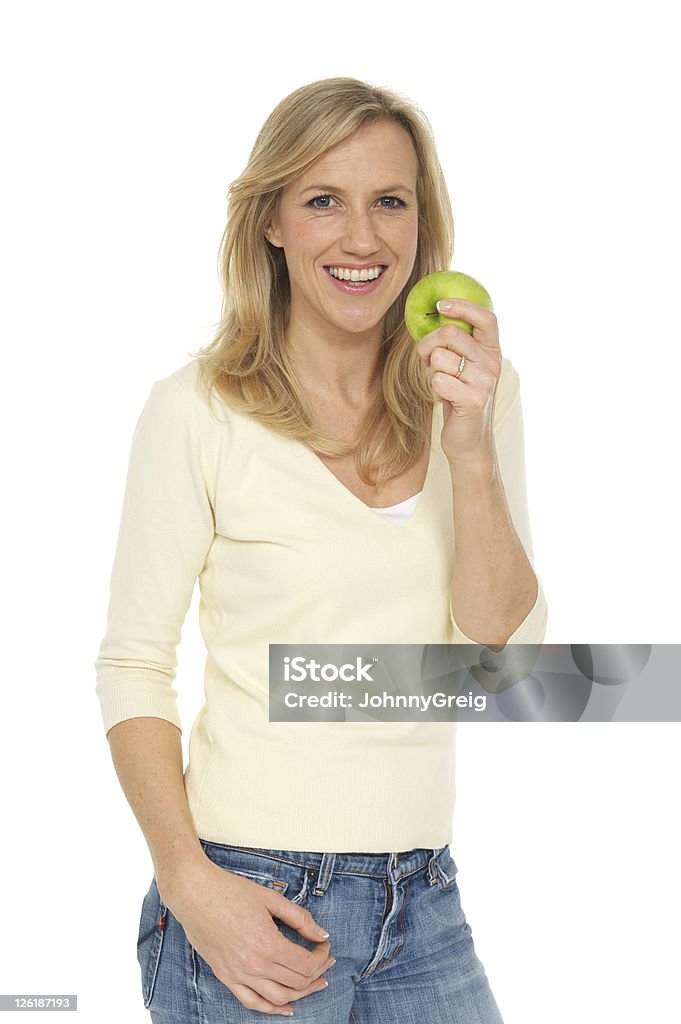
509, 440
166, 529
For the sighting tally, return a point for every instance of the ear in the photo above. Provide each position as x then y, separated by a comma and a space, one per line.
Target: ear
272, 234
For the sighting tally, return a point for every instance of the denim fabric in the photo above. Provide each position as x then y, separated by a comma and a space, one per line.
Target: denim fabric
403, 947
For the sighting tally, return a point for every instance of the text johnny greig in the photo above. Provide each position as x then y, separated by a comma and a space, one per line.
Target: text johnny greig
301, 670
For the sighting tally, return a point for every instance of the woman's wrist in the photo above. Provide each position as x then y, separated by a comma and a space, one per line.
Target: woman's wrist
176, 878
476, 473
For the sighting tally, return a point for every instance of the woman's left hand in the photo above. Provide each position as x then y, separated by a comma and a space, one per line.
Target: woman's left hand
468, 400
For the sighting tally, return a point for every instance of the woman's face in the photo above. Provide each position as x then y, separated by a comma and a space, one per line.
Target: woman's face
353, 213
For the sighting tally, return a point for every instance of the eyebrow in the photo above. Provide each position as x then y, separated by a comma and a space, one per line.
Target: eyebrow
378, 191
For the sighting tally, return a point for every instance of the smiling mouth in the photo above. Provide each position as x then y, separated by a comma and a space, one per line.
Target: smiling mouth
355, 278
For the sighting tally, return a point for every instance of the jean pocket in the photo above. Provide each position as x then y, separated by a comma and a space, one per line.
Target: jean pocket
446, 869
288, 880
153, 920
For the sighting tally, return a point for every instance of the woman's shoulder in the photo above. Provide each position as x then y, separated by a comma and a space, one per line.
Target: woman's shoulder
190, 378
188, 374
208, 405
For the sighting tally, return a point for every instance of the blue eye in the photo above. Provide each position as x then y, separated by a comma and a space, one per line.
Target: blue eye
313, 202
323, 202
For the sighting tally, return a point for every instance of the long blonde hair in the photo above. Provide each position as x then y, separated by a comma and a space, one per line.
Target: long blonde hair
247, 363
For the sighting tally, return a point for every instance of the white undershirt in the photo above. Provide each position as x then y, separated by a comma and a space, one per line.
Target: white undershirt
400, 513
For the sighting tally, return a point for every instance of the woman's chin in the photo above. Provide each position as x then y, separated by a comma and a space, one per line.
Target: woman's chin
361, 322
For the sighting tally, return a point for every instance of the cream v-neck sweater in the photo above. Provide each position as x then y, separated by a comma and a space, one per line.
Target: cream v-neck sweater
285, 554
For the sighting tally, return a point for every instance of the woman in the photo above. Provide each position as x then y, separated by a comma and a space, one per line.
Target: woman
312, 467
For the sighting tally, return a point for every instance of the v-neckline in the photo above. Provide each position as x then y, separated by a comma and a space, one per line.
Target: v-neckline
370, 509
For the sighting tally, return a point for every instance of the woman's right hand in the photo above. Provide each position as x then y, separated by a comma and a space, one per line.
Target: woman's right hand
228, 921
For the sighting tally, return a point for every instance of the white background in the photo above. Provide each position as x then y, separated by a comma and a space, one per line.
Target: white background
123, 125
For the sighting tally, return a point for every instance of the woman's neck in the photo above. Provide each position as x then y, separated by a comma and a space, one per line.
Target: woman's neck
342, 367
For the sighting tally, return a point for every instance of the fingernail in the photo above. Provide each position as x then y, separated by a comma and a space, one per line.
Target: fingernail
321, 931
443, 305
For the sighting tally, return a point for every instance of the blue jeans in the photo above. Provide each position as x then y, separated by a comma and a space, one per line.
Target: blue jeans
404, 951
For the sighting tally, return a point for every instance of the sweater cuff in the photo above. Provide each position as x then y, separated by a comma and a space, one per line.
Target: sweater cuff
531, 630
141, 693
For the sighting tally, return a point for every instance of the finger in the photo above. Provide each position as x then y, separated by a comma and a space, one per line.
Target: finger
448, 361
281, 994
471, 312
291, 979
449, 389
249, 998
450, 337
483, 321
303, 962
478, 372
295, 915
466, 397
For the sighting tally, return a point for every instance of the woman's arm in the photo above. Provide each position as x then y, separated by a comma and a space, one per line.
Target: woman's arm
494, 587
227, 919
496, 595
147, 756
166, 531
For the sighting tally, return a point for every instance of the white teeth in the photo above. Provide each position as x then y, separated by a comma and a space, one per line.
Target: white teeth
366, 274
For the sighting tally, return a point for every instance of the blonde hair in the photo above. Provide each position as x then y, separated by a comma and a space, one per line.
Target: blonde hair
247, 363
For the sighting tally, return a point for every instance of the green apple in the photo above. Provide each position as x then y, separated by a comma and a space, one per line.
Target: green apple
420, 311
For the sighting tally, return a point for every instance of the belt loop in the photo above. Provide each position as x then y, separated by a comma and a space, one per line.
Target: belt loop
325, 872
432, 866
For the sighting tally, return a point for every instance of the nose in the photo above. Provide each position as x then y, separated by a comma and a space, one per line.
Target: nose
360, 235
